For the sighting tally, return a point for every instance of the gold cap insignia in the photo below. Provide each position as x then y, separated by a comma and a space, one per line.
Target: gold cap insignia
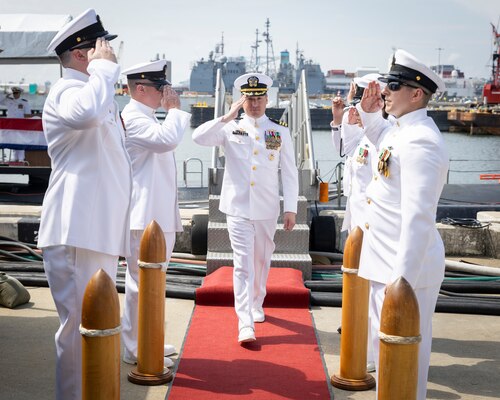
418, 78
253, 81
78, 39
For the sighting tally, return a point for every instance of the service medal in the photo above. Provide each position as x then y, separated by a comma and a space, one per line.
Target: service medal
383, 161
273, 139
271, 157
362, 155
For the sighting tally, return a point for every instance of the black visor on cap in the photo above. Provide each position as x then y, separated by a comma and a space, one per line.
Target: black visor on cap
158, 77
86, 34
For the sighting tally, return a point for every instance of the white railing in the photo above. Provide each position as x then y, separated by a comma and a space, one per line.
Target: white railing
220, 109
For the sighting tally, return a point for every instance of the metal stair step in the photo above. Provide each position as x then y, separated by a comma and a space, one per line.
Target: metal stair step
296, 240
301, 262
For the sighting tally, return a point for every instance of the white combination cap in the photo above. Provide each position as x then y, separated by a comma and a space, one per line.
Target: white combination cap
253, 84
364, 80
407, 68
154, 71
79, 33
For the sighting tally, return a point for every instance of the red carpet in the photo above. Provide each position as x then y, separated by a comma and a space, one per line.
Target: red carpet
284, 362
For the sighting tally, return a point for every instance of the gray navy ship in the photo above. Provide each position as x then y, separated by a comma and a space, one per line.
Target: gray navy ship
286, 78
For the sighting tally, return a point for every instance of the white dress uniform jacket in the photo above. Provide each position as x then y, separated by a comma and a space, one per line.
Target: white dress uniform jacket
250, 188
357, 175
401, 237
151, 148
91, 179
16, 108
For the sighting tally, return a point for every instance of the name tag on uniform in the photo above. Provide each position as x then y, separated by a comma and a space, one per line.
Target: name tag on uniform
240, 132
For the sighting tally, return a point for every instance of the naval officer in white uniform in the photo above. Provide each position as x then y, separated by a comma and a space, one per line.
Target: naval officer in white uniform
85, 214
359, 152
17, 107
151, 146
409, 174
357, 171
255, 147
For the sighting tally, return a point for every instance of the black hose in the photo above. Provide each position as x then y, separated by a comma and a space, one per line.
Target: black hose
477, 287
460, 296
444, 304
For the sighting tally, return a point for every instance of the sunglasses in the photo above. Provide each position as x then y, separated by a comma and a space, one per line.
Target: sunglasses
157, 86
394, 86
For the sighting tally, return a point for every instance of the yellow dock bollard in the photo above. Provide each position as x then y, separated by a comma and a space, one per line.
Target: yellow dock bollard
151, 330
353, 342
100, 330
399, 343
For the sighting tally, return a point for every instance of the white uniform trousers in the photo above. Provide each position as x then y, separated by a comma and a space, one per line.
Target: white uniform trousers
253, 245
68, 271
427, 298
130, 311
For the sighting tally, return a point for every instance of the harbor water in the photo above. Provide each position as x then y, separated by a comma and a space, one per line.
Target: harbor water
470, 156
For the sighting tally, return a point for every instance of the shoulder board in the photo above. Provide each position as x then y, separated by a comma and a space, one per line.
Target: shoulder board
279, 122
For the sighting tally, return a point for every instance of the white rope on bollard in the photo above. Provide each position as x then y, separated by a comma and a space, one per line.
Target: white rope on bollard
399, 339
349, 270
143, 264
100, 332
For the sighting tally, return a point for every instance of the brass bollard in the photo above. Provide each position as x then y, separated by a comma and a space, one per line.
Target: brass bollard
353, 342
151, 330
100, 330
399, 343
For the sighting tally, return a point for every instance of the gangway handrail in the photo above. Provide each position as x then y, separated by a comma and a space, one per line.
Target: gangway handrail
219, 111
299, 121
185, 172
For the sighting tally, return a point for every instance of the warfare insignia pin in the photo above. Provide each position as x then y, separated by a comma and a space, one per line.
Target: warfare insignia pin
240, 132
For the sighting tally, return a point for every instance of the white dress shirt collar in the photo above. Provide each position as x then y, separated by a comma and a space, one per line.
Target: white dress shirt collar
411, 117
143, 108
70, 73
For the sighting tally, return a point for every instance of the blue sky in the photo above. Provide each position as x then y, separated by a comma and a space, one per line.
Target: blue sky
337, 34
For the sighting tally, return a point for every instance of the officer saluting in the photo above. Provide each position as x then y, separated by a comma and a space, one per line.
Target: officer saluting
151, 146
410, 171
85, 214
255, 147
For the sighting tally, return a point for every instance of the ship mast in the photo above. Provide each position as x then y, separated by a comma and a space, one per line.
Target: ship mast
269, 49
254, 60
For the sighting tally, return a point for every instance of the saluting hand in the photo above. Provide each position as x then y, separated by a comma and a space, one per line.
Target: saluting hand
353, 117
337, 110
170, 99
372, 101
102, 50
233, 111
